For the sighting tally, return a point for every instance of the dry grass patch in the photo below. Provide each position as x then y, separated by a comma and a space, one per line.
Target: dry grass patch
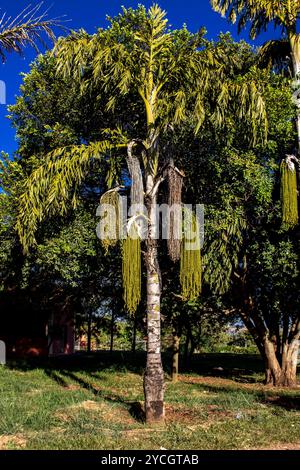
111, 414
207, 415
7, 442
280, 446
220, 382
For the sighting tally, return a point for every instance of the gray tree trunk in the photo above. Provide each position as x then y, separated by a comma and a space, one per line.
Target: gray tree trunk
283, 373
295, 48
272, 366
154, 375
289, 364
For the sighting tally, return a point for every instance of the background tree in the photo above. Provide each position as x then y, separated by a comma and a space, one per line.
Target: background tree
240, 187
68, 256
283, 14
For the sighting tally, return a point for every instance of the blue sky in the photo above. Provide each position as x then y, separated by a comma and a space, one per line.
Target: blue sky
90, 14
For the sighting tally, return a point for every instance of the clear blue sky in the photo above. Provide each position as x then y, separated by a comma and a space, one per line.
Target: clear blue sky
90, 14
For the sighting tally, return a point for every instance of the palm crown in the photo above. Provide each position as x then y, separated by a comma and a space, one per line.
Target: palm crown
284, 13
170, 73
259, 14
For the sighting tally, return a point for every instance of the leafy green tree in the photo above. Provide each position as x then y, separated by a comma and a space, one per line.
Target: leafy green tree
239, 186
5, 238
68, 263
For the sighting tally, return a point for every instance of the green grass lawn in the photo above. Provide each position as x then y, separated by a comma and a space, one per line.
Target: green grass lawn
91, 402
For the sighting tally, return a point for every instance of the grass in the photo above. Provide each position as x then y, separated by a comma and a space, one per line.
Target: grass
94, 402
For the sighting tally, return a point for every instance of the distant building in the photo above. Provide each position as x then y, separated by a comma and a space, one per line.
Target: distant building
28, 330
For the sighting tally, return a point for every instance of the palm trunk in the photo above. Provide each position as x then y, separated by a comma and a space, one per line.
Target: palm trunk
295, 50
175, 357
154, 375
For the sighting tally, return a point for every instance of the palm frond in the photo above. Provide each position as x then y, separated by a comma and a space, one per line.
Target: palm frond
259, 13
172, 72
52, 185
243, 99
73, 54
26, 29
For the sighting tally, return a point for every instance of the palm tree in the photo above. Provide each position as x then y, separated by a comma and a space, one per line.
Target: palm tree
173, 79
284, 14
26, 29
260, 13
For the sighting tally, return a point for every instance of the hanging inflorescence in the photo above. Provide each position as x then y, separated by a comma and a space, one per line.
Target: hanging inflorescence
112, 214
185, 248
131, 269
111, 233
289, 193
190, 261
175, 184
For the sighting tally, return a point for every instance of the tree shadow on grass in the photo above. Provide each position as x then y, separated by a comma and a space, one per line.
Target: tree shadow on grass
112, 397
93, 364
52, 374
135, 409
98, 376
268, 397
289, 403
242, 376
238, 367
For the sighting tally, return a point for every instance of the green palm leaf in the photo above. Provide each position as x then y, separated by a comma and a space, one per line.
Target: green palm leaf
259, 13
53, 184
26, 29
